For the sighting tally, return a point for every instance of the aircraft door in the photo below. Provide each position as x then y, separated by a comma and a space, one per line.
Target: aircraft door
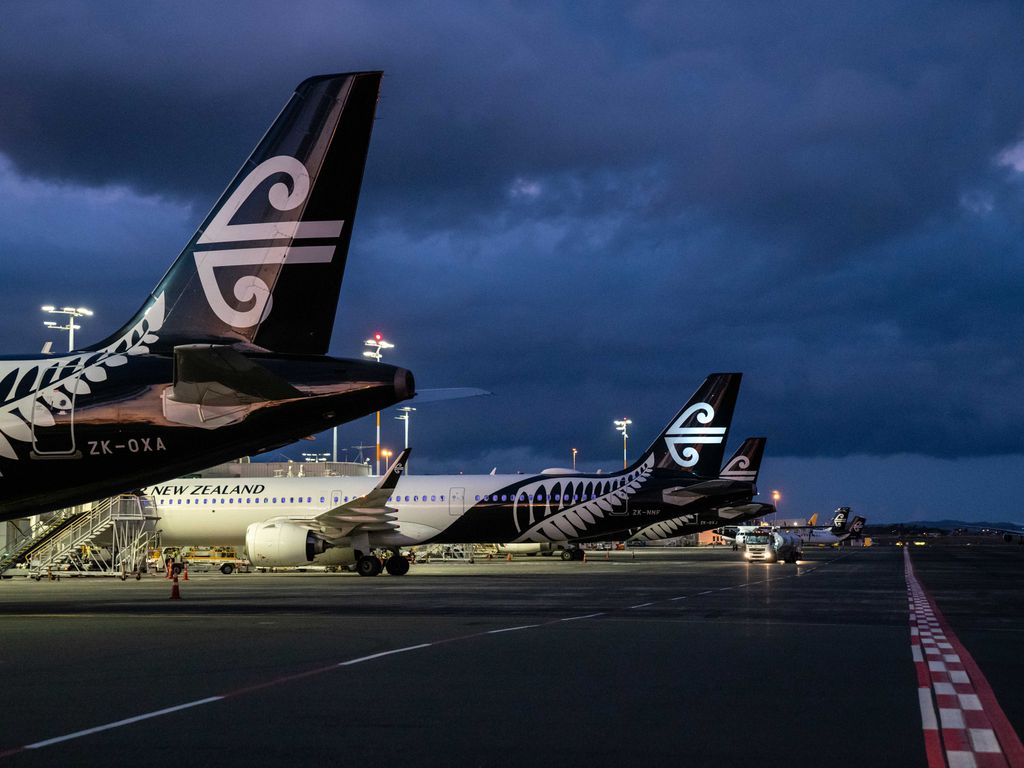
53, 417
456, 501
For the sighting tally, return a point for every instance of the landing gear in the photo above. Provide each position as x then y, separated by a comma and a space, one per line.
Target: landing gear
573, 553
368, 565
396, 565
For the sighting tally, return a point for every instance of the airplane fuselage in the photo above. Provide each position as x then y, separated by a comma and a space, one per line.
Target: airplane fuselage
432, 508
80, 427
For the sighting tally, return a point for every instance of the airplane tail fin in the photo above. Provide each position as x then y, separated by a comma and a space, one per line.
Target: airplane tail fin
856, 528
746, 462
812, 520
694, 441
265, 268
839, 521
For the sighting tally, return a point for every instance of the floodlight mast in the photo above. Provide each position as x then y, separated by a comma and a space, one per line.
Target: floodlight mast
622, 425
376, 345
72, 314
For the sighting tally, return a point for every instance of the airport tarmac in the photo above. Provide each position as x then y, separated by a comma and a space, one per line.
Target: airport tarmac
672, 654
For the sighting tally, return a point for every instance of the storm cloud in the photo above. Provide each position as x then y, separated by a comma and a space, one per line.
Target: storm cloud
583, 208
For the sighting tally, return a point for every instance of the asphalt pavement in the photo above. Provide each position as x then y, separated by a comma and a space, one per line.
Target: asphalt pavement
667, 654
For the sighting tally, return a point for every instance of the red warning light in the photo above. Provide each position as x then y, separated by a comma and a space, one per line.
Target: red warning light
378, 336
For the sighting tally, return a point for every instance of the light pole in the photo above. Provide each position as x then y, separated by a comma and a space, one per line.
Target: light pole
406, 417
376, 344
775, 500
573, 459
72, 313
387, 456
622, 426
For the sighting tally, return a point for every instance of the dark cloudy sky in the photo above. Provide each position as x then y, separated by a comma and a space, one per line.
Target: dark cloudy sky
585, 208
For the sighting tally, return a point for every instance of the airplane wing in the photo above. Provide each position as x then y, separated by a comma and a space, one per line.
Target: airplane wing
370, 512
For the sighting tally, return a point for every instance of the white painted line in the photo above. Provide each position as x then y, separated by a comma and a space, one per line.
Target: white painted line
959, 676
984, 740
511, 629
642, 605
944, 689
681, 597
120, 723
924, 696
915, 652
588, 616
382, 654
969, 701
937, 666
951, 657
951, 718
960, 759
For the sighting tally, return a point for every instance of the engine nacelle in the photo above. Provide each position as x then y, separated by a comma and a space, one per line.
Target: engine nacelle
282, 544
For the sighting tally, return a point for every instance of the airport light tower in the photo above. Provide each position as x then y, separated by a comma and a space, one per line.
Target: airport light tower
573, 459
376, 346
776, 496
622, 425
406, 417
72, 313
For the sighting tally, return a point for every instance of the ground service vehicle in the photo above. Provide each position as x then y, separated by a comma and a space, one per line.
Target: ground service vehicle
772, 546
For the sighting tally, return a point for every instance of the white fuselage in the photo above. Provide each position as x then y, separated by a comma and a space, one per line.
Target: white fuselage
218, 510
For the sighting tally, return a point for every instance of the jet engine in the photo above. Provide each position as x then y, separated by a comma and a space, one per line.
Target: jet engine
283, 544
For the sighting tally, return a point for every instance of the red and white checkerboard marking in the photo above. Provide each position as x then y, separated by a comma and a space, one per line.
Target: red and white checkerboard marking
964, 726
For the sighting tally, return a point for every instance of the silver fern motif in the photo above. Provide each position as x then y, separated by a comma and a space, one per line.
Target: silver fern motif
33, 391
558, 521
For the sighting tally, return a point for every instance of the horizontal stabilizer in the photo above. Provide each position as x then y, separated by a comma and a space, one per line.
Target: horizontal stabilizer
217, 375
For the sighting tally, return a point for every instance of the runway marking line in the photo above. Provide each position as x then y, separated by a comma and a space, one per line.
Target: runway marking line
310, 673
961, 719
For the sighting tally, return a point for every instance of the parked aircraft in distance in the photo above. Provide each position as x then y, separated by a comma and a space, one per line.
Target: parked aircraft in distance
227, 356
294, 521
742, 467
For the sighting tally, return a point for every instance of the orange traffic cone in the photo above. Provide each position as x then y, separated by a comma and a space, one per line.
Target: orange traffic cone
186, 571
175, 590
168, 570
508, 557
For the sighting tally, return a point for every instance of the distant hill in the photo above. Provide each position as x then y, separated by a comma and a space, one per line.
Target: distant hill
948, 525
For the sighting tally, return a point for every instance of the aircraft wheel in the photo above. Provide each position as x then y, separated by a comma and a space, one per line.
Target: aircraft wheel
567, 554
396, 565
368, 565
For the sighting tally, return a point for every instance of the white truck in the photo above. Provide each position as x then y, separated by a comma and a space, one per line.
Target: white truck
770, 546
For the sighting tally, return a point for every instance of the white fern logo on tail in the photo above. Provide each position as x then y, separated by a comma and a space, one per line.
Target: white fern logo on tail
41, 387
251, 289
677, 435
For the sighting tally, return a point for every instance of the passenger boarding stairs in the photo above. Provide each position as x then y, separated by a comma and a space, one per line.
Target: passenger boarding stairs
16, 550
121, 520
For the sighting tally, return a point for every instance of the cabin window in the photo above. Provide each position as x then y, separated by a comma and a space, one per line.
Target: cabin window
321, 499
478, 497
433, 498
442, 497
256, 501
415, 498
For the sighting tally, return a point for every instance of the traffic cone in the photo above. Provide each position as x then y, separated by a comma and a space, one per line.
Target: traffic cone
186, 571
168, 570
175, 590
508, 557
